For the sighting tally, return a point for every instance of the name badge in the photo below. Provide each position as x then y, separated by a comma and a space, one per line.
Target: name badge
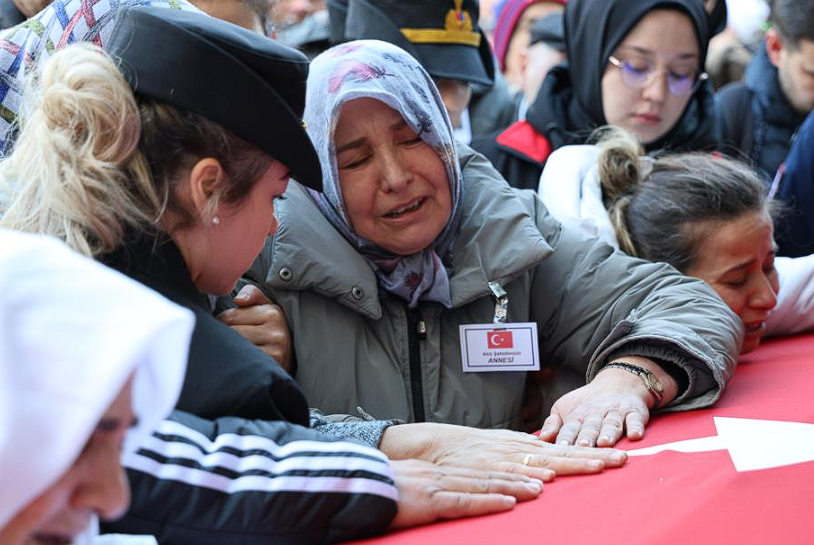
499, 347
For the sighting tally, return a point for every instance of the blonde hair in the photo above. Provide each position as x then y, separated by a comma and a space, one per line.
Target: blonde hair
620, 172
74, 172
93, 163
662, 208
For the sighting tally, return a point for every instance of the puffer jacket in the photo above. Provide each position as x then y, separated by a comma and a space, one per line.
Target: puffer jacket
795, 228
359, 347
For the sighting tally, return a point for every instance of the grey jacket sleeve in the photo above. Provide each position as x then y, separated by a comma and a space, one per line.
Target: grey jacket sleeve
235, 481
364, 427
593, 300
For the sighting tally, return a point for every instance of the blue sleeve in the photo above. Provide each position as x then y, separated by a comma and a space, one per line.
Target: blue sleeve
795, 230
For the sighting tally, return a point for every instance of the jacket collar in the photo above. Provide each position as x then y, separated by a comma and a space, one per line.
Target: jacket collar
158, 263
498, 240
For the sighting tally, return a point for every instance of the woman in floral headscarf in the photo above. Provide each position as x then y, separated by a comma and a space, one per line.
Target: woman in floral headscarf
415, 236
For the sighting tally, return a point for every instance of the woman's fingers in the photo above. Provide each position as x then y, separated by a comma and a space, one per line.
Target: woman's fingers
250, 295
480, 481
589, 430
264, 314
573, 460
566, 466
463, 471
611, 457
429, 492
612, 428
528, 470
635, 422
551, 427
264, 325
454, 505
522, 490
568, 432
601, 430
544, 461
571, 451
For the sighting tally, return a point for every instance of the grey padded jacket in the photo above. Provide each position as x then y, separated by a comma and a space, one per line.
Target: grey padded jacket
357, 346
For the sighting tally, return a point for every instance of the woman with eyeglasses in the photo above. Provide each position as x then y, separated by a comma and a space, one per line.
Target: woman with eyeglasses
635, 64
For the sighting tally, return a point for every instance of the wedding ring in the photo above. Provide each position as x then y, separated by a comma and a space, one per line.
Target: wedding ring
527, 459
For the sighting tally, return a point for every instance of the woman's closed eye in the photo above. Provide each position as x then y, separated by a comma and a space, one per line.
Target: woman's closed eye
355, 161
738, 282
406, 136
639, 66
682, 74
647, 66
410, 141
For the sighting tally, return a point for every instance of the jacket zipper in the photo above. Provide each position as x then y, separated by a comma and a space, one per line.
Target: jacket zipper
416, 332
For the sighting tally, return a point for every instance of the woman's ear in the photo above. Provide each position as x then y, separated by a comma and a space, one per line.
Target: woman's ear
207, 181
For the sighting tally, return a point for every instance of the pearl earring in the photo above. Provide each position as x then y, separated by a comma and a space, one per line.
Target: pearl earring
216, 221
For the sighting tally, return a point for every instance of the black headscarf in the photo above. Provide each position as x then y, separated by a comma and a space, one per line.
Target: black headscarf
569, 104
718, 18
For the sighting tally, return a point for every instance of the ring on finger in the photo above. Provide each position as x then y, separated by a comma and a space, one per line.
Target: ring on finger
527, 458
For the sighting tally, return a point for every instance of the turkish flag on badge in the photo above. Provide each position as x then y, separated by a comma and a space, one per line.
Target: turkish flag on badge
499, 339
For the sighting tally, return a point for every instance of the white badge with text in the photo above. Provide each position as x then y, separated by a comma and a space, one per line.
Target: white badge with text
499, 347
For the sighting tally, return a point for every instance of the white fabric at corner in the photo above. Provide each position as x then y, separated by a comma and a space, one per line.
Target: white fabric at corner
71, 333
746, 18
570, 189
794, 312
463, 134
119, 539
91, 537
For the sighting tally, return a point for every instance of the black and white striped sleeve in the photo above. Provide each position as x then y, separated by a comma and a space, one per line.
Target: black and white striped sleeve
246, 481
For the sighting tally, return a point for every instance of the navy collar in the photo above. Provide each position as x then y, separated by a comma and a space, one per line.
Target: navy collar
157, 262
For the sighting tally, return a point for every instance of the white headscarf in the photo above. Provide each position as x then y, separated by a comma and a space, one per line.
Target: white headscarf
71, 333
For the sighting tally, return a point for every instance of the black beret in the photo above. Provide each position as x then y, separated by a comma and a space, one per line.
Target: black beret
337, 12
245, 82
443, 35
549, 30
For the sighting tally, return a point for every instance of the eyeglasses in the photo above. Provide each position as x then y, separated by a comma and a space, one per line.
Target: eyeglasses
641, 73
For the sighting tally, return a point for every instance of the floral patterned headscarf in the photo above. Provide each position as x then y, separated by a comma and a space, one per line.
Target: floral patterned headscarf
382, 71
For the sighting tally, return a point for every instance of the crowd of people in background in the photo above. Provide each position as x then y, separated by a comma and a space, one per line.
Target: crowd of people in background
241, 242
